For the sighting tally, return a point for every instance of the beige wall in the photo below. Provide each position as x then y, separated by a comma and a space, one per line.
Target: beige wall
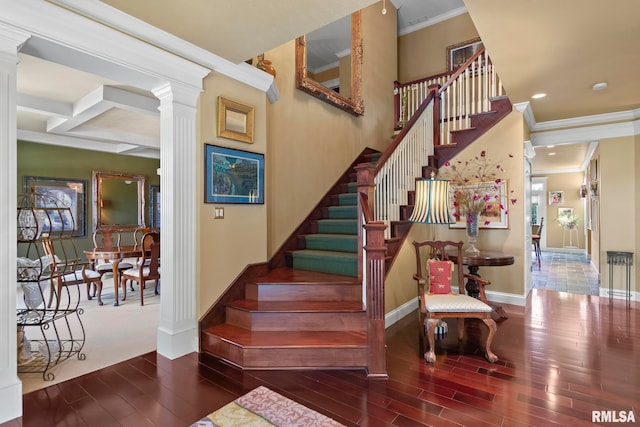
227, 245
423, 53
307, 144
618, 204
503, 139
569, 184
311, 143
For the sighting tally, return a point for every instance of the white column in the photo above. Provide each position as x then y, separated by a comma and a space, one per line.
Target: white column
10, 385
177, 331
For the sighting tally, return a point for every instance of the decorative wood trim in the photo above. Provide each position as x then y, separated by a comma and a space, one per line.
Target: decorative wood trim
353, 105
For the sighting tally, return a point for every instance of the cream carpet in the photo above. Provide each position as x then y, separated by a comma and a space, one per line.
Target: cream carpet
112, 334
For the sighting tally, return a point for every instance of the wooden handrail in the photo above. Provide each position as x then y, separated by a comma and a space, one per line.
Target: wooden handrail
461, 69
398, 139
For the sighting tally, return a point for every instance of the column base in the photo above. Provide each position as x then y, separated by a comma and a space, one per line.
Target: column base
176, 344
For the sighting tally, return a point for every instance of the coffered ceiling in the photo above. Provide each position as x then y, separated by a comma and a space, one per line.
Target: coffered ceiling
560, 48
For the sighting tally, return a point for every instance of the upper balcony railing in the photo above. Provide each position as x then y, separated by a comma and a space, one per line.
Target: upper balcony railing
464, 92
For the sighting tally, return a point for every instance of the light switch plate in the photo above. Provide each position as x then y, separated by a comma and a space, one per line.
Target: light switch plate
218, 212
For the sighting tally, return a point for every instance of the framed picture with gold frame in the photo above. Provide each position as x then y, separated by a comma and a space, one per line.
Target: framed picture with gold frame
66, 192
235, 120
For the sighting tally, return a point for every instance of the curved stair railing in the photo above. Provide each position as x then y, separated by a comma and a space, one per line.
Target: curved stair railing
434, 113
464, 92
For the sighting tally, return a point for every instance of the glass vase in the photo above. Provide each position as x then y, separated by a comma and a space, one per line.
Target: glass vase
472, 234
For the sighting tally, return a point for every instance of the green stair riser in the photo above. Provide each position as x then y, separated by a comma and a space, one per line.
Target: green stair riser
326, 262
348, 199
345, 226
332, 242
343, 212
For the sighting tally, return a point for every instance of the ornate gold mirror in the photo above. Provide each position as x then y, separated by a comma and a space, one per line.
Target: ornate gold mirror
118, 201
347, 73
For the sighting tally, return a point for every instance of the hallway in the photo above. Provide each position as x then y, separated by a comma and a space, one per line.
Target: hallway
565, 272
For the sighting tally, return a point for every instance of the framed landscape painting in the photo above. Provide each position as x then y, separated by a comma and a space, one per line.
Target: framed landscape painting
233, 176
68, 193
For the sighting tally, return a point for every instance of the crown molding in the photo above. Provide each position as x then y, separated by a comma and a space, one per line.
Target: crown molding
527, 112
71, 39
621, 116
580, 129
585, 133
128, 24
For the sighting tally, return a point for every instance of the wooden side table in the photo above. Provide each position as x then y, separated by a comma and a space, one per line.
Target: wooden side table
487, 259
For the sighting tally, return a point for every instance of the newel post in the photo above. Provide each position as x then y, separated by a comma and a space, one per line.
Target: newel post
372, 250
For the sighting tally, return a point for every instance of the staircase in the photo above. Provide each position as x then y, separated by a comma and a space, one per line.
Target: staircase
332, 247
293, 319
304, 309
307, 313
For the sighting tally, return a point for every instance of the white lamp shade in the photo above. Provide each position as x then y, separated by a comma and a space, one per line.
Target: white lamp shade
432, 202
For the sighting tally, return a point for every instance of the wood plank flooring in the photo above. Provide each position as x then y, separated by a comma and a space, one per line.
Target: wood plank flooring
561, 358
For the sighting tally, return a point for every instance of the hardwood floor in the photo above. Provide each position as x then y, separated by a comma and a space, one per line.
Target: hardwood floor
562, 358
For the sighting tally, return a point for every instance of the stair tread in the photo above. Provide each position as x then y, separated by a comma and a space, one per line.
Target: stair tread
316, 252
298, 306
290, 339
331, 236
292, 276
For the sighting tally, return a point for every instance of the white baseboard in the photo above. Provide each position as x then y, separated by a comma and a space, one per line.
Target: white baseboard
394, 315
505, 298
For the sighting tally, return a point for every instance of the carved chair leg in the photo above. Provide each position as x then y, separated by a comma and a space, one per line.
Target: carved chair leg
98, 290
123, 285
491, 324
421, 338
460, 328
57, 290
430, 355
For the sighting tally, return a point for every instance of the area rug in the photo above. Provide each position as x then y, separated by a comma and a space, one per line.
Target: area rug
264, 407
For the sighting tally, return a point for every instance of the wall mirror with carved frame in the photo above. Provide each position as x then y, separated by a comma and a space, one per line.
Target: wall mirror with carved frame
118, 201
339, 82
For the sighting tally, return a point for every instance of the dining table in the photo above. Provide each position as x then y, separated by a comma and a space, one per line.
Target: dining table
114, 255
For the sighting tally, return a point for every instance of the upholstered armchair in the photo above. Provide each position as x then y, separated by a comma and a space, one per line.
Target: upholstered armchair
441, 297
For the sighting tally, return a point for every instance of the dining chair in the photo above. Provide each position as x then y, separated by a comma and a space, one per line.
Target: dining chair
138, 234
437, 297
69, 271
536, 232
147, 268
108, 239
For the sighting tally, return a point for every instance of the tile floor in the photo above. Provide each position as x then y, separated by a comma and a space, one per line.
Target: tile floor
565, 272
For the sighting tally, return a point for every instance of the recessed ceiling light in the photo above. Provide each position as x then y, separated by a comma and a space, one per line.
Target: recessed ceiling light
539, 95
550, 146
599, 86
552, 153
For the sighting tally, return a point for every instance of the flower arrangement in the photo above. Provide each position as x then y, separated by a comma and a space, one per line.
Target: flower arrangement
567, 220
477, 185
